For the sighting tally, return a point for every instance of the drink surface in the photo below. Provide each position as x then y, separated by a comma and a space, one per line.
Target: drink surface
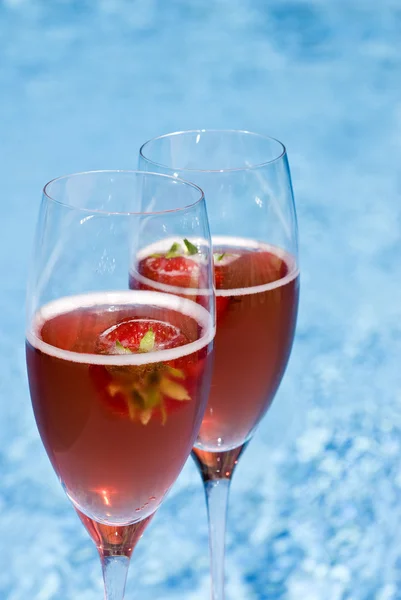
118, 383
257, 288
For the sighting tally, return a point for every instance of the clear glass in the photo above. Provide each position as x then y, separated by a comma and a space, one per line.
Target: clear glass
246, 180
119, 378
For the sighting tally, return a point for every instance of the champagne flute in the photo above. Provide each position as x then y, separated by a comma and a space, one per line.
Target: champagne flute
252, 217
119, 379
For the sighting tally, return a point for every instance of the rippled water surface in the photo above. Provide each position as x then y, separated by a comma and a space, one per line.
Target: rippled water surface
316, 501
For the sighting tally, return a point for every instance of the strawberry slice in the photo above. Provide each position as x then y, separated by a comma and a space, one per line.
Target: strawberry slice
141, 392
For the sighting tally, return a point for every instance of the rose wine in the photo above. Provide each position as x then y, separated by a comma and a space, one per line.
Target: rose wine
257, 300
119, 383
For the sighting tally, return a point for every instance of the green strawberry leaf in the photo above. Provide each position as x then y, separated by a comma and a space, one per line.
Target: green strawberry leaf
175, 250
177, 373
138, 398
173, 390
163, 413
147, 342
145, 416
144, 388
132, 411
153, 397
120, 349
191, 248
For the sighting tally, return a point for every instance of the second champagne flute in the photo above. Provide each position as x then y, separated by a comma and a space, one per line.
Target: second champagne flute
246, 180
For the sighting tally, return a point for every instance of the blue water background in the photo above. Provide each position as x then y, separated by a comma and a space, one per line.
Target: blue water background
316, 501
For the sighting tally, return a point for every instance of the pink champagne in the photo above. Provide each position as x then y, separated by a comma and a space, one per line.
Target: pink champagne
257, 300
118, 427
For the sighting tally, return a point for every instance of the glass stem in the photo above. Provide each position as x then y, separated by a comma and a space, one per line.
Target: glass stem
115, 569
217, 493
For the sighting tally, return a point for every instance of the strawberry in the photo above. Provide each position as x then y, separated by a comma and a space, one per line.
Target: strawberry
140, 335
250, 269
179, 271
244, 270
141, 392
174, 267
222, 302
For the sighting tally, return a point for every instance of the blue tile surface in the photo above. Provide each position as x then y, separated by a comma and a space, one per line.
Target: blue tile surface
316, 501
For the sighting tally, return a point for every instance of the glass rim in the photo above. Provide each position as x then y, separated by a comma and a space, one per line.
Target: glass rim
189, 184
221, 131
